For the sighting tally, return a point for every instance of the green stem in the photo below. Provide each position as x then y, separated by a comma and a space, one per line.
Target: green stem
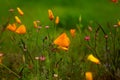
10, 70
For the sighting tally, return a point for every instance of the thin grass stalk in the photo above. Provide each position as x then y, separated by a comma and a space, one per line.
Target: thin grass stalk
10, 70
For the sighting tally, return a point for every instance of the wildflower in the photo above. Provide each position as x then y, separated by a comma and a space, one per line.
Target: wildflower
50, 14
17, 20
35, 24
115, 1
11, 10
39, 27
42, 58
106, 36
62, 41
90, 28
63, 48
55, 75
47, 27
1, 56
72, 32
87, 38
21, 29
11, 27
118, 23
88, 76
93, 59
57, 20
20, 11
37, 21
37, 58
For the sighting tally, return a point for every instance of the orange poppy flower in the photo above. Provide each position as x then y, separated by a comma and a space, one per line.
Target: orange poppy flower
93, 59
72, 32
118, 23
35, 24
63, 48
57, 20
17, 20
21, 29
50, 14
20, 11
62, 41
88, 76
11, 27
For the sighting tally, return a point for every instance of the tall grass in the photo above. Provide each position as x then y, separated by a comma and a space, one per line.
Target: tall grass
34, 55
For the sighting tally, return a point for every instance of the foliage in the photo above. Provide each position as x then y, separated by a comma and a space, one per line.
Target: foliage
41, 52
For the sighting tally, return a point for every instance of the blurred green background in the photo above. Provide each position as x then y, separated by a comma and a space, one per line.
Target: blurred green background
101, 11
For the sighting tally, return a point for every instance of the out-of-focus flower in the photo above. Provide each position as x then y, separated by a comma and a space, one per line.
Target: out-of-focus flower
11, 27
90, 28
1, 56
115, 1
39, 27
21, 29
38, 21
55, 75
62, 41
87, 38
106, 36
57, 20
93, 59
118, 23
37, 58
35, 24
50, 14
20, 11
72, 32
88, 76
47, 27
11, 10
17, 20
42, 58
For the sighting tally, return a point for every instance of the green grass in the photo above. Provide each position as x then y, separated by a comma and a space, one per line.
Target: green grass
100, 11
20, 50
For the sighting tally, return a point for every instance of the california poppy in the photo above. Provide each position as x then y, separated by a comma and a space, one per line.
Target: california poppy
57, 20
62, 41
11, 27
20, 11
17, 20
50, 14
35, 24
93, 59
72, 32
118, 23
63, 48
88, 76
21, 29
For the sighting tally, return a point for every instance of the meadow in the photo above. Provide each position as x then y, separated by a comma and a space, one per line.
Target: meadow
59, 40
